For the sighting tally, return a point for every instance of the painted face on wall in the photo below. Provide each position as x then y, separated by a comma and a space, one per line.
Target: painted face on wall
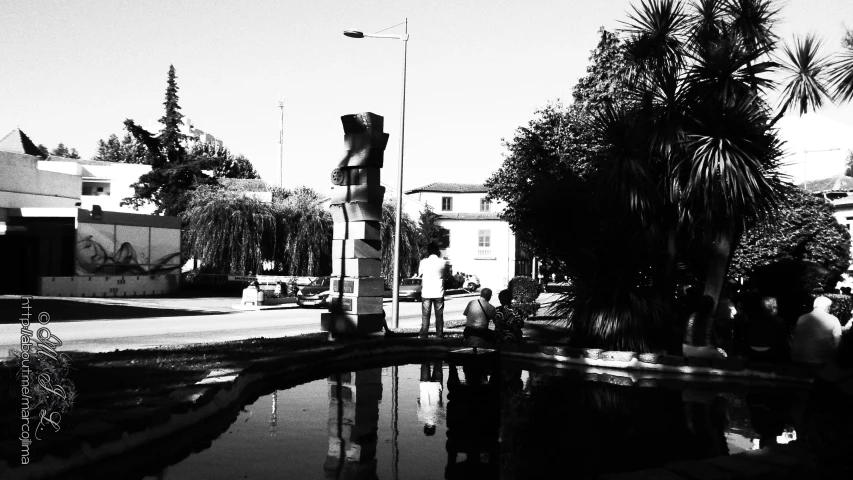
90, 254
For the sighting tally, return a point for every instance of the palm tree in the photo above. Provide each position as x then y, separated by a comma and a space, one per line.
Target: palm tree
689, 162
409, 253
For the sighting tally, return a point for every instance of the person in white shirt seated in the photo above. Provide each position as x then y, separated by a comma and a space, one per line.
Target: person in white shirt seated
817, 335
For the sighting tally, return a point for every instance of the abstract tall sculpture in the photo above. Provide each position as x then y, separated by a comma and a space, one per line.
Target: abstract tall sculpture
356, 207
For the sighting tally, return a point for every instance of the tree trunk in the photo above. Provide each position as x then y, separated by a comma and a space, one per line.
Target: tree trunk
720, 253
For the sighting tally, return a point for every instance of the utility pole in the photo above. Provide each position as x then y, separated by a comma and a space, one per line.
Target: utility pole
281, 144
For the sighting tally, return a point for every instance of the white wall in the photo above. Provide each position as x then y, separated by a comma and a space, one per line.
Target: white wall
494, 265
120, 176
24, 183
116, 286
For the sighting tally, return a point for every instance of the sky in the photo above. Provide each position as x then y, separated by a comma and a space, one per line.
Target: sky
73, 71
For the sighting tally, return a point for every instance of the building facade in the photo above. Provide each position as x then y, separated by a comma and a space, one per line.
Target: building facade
65, 234
475, 239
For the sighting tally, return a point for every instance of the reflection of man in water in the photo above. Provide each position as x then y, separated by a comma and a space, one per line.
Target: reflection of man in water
473, 423
430, 403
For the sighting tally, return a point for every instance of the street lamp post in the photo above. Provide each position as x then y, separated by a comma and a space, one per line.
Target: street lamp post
395, 301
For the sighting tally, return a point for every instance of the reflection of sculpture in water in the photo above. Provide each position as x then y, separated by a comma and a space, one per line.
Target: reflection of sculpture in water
430, 402
473, 423
353, 424
92, 258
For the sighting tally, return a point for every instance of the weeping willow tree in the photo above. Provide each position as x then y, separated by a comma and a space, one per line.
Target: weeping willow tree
305, 233
409, 235
229, 232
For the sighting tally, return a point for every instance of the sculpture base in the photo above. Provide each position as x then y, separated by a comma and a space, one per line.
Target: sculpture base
344, 324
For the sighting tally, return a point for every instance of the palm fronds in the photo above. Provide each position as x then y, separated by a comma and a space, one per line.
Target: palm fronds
841, 76
806, 70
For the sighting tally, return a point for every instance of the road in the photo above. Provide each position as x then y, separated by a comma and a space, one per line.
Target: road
105, 335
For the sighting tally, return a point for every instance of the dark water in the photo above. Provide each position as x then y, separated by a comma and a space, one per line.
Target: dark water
490, 421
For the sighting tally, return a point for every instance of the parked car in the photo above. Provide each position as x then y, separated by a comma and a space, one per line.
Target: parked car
410, 289
472, 283
315, 293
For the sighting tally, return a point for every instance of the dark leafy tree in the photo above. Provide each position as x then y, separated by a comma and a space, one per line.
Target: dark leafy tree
62, 151
849, 164
429, 230
804, 230
666, 174
44, 151
177, 172
220, 161
126, 150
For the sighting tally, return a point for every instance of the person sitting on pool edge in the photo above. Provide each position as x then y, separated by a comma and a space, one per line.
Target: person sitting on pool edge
508, 322
477, 313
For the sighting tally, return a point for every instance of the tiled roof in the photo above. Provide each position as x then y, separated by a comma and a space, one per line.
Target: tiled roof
469, 216
451, 188
840, 183
18, 142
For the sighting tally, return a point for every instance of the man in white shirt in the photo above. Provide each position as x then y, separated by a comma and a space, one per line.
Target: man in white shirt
817, 335
431, 271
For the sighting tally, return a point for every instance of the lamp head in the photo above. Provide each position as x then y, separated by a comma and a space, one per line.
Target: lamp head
354, 33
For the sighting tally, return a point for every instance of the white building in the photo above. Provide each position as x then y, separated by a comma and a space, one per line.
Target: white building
104, 184
56, 248
476, 240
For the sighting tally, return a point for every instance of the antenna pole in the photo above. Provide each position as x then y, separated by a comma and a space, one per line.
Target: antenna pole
281, 144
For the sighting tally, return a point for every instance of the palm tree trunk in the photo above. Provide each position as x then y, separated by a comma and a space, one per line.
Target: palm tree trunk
720, 253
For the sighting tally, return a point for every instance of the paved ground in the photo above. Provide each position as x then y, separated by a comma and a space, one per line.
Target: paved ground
99, 325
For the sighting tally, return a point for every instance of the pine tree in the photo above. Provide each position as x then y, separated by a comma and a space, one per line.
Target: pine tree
171, 138
62, 151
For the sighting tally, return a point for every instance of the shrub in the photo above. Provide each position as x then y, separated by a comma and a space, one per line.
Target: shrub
524, 292
841, 305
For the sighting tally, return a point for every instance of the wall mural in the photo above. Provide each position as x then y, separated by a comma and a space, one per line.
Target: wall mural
126, 250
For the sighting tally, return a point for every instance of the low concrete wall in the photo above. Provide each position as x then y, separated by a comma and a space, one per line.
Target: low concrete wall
102, 286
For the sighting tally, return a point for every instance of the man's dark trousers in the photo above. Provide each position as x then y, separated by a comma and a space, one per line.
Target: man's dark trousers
426, 311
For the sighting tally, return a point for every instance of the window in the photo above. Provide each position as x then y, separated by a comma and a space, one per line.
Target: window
446, 204
484, 204
484, 238
443, 238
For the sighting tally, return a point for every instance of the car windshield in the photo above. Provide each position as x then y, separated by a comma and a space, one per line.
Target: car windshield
320, 282
412, 281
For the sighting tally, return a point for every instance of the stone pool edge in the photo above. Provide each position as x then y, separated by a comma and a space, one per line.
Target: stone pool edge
223, 389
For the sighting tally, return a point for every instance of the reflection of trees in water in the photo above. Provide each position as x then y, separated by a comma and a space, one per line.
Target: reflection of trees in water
588, 428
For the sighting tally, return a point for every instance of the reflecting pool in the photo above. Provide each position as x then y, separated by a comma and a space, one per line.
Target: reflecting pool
438, 419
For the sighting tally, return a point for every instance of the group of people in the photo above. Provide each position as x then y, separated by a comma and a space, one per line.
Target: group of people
754, 329
478, 313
